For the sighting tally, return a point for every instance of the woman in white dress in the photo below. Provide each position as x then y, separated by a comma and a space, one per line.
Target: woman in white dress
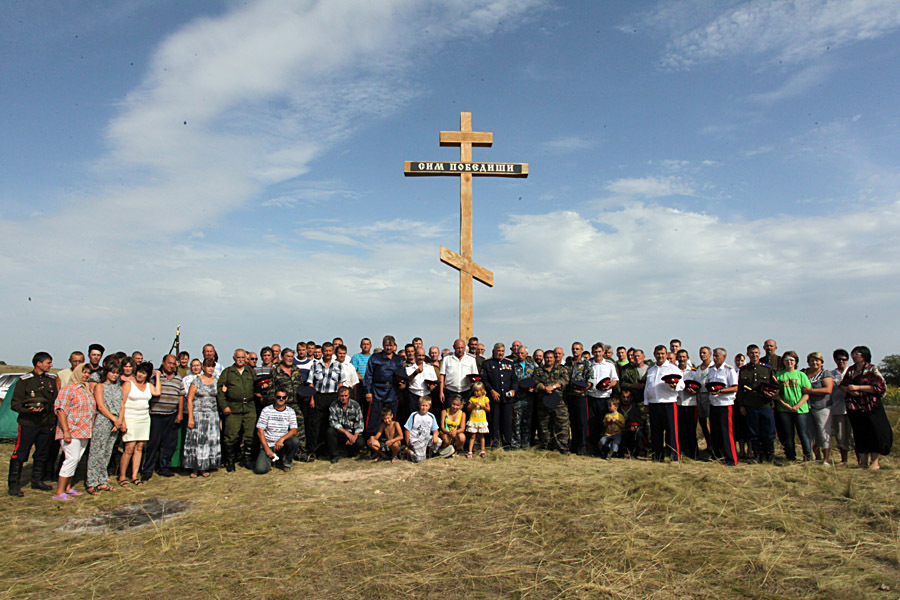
134, 420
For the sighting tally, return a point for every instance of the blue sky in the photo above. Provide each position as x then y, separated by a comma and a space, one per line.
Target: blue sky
721, 172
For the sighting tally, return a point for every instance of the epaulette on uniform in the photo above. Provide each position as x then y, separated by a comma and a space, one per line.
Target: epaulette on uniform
53, 375
28, 376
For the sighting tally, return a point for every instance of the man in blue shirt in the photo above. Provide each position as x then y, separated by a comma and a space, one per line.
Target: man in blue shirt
379, 383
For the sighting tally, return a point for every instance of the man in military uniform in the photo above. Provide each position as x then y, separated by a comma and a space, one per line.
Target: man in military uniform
33, 399
550, 383
757, 405
580, 371
500, 381
523, 403
235, 398
379, 383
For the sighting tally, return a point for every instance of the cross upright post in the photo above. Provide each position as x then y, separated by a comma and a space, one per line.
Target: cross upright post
464, 262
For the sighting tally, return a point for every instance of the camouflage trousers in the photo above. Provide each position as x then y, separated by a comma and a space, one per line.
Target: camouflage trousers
553, 427
521, 422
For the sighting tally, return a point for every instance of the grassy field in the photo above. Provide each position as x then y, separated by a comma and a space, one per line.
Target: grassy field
523, 524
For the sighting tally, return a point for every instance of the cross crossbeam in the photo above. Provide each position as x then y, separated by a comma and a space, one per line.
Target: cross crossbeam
465, 138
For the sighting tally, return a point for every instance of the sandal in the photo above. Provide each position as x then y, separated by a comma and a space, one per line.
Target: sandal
105, 488
137, 482
92, 491
468, 455
483, 454
124, 483
193, 476
204, 473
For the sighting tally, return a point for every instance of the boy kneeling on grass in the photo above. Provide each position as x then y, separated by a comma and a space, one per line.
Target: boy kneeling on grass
422, 433
386, 441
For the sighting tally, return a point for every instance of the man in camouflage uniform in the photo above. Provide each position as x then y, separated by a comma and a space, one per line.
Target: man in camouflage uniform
235, 398
33, 397
523, 403
580, 371
553, 423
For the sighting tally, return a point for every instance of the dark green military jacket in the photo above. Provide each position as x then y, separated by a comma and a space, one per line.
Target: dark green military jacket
548, 377
289, 383
750, 377
39, 391
235, 389
630, 375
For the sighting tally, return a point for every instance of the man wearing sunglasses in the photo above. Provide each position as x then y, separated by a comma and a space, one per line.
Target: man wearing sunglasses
277, 431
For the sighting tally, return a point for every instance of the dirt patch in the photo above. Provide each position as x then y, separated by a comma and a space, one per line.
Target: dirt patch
154, 510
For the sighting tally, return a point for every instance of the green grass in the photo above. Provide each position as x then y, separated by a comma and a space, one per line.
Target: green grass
525, 525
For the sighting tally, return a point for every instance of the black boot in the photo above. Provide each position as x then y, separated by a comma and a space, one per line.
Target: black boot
15, 471
247, 460
37, 477
228, 459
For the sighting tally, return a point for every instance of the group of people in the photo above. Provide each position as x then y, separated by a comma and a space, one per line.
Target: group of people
313, 400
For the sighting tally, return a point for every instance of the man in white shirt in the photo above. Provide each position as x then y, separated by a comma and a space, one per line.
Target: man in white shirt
454, 376
660, 395
422, 379
721, 405
687, 407
277, 432
602, 370
701, 371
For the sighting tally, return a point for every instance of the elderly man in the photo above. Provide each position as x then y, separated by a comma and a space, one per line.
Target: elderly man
553, 416
345, 425
475, 351
660, 396
721, 405
380, 384
500, 382
523, 403
277, 431
434, 357
454, 376
166, 413
235, 399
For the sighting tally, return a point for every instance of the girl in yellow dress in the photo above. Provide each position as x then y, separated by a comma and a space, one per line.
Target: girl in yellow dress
453, 424
479, 407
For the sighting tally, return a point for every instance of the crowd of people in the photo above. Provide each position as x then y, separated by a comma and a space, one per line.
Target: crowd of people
314, 401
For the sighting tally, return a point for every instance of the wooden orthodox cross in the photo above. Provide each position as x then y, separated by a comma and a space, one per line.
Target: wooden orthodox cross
465, 138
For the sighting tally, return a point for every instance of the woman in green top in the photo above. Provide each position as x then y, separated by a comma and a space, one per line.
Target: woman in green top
791, 408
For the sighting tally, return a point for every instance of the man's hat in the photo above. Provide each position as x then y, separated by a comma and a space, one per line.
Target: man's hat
473, 377
769, 387
714, 386
692, 384
306, 391
400, 375
672, 378
431, 382
526, 383
580, 386
552, 399
602, 383
93, 347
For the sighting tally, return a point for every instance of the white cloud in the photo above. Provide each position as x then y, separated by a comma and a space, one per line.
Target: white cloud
791, 31
796, 85
569, 144
651, 187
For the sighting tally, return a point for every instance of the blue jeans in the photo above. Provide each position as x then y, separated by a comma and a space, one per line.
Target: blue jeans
609, 445
761, 424
785, 424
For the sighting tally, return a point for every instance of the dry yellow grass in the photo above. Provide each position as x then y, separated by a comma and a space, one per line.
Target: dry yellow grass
524, 524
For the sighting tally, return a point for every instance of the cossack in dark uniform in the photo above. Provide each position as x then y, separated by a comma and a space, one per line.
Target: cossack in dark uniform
380, 382
759, 408
499, 375
33, 399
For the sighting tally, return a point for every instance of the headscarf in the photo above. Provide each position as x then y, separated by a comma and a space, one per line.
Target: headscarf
77, 373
